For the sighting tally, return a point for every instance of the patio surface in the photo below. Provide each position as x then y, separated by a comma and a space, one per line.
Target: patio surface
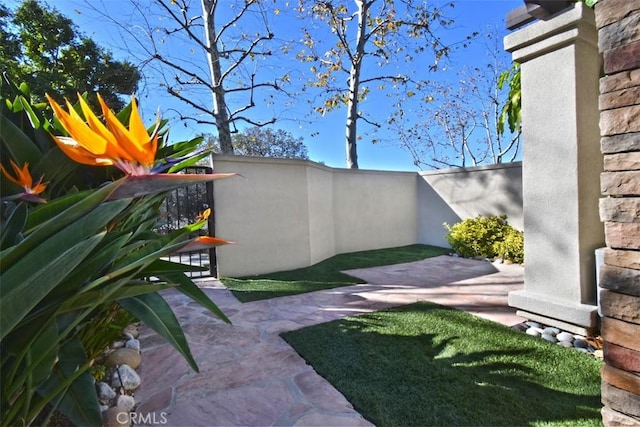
249, 376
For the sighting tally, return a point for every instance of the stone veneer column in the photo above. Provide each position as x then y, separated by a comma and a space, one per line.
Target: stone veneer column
618, 22
561, 161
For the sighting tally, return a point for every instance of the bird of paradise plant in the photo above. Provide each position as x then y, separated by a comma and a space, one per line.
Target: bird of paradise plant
66, 262
23, 179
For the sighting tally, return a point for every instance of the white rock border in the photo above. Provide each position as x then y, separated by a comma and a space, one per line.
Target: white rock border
116, 393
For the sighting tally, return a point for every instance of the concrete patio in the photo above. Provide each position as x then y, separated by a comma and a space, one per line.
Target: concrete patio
251, 376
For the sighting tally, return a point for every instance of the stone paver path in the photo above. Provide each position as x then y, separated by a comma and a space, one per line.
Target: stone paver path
249, 376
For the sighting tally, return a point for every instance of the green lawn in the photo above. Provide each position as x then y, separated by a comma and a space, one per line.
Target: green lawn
429, 365
325, 274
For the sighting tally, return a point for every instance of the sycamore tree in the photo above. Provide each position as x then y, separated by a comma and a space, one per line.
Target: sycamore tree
211, 55
44, 49
462, 122
370, 45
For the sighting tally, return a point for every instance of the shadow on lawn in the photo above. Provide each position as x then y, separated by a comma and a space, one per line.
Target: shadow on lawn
425, 364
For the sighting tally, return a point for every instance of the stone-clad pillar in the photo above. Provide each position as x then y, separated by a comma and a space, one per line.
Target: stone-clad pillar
561, 161
618, 23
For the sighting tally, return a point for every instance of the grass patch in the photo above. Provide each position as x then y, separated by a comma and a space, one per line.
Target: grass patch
429, 365
325, 274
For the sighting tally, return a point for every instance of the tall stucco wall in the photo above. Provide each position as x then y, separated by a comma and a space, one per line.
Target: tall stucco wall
374, 209
452, 195
265, 211
287, 214
321, 220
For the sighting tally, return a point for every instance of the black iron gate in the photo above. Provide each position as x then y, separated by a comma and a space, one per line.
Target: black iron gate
181, 207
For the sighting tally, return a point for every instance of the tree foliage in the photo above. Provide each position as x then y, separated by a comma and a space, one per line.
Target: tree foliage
45, 49
265, 142
390, 37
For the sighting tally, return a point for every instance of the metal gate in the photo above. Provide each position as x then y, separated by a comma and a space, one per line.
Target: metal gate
181, 207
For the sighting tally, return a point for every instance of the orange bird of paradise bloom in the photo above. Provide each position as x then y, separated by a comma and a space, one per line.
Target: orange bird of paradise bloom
23, 179
94, 143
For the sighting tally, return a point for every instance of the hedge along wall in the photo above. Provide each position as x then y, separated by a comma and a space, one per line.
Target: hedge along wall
618, 23
288, 214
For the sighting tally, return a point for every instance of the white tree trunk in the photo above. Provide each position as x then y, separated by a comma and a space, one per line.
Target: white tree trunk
220, 110
354, 85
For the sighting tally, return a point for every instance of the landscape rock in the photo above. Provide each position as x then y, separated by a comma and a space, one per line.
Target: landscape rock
536, 332
105, 392
124, 376
549, 330
565, 337
123, 356
134, 344
131, 330
126, 402
549, 337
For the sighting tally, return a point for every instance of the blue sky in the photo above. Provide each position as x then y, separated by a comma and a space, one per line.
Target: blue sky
324, 137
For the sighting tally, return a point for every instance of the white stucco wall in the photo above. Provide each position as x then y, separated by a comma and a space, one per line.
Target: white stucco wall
265, 211
287, 214
374, 209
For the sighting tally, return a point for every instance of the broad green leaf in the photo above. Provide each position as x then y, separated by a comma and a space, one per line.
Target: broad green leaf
46, 211
25, 89
133, 264
190, 289
68, 216
153, 249
88, 299
80, 401
33, 117
154, 311
101, 257
17, 143
136, 186
11, 229
45, 344
24, 285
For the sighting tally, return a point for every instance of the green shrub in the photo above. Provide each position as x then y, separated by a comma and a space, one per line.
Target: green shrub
512, 246
487, 237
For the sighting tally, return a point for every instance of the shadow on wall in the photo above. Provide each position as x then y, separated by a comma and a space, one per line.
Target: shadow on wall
452, 195
433, 212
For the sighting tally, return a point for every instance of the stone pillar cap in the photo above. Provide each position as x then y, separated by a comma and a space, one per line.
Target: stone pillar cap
546, 36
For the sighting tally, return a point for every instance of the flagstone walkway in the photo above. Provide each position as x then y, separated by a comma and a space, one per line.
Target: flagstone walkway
249, 376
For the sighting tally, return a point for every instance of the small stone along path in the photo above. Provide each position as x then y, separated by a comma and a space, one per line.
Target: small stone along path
249, 376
